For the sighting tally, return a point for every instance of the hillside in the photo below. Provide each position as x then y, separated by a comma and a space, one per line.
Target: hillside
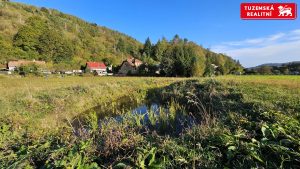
277, 64
292, 68
67, 42
21, 25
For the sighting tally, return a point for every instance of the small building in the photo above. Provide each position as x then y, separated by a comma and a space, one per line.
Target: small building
98, 67
130, 66
13, 65
77, 72
69, 73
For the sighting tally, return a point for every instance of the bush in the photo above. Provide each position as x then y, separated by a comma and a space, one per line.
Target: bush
30, 69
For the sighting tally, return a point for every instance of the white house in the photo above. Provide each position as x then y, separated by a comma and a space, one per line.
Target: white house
98, 67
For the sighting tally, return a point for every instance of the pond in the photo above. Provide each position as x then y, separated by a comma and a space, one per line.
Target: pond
121, 106
143, 109
151, 115
117, 108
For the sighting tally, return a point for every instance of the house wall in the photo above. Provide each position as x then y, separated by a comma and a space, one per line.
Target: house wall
11, 68
126, 67
99, 71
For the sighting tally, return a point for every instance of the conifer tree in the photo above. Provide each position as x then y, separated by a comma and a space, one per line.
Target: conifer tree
148, 47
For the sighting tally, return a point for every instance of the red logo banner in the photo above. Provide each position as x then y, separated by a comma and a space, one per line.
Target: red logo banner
285, 11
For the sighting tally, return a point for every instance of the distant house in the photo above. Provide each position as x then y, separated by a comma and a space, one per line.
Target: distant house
98, 67
77, 71
130, 66
13, 65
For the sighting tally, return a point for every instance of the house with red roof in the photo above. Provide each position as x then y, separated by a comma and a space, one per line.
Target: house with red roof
96, 67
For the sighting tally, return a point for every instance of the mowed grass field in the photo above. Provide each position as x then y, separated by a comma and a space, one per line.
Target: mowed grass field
226, 121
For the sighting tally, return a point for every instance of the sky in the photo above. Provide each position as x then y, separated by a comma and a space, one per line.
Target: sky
214, 24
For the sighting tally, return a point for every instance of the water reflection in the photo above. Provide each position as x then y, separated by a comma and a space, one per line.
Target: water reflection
150, 115
143, 109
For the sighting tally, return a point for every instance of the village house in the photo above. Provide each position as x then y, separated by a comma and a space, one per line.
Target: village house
98, 67
13, 65
130, 66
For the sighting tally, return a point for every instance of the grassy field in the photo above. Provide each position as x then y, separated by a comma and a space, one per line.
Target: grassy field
229, 121
283, 81
46, 102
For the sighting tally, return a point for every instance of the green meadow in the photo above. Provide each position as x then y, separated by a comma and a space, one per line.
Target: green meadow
89, 122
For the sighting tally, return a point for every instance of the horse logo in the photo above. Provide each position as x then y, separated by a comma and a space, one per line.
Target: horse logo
285, 11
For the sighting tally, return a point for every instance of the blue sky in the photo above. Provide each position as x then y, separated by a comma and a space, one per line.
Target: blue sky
212, 24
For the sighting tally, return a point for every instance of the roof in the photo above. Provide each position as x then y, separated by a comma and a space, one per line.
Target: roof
133, 61
96, 65
18, 63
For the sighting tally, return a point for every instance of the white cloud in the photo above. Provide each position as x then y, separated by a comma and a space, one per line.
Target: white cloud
276, 48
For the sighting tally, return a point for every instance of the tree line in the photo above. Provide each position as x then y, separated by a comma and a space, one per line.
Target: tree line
184, 58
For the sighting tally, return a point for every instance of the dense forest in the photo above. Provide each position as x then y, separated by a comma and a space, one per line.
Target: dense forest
67, 42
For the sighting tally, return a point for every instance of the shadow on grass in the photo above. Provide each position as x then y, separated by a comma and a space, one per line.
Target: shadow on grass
180, 105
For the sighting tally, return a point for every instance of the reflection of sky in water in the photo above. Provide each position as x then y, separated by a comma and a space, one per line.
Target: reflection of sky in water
144, 109
180, 122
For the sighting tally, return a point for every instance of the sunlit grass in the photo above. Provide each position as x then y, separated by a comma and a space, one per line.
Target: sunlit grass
275, 80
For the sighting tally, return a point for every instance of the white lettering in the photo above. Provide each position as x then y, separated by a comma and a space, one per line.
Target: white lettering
259, 8
251, 14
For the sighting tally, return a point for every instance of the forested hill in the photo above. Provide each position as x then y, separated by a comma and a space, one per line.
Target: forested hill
29, 32
65, 42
